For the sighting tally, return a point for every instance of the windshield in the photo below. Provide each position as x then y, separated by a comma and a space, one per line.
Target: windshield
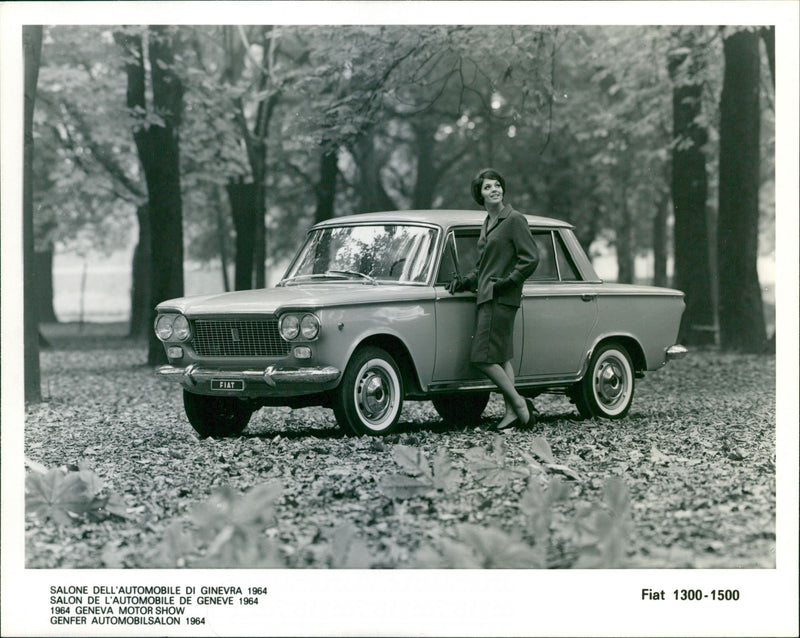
371, 253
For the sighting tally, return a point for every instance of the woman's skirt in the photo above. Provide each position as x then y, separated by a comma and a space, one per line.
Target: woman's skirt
494, 333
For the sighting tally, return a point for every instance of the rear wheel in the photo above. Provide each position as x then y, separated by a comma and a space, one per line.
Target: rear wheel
216, 416
606, 390
461, 409
370, 396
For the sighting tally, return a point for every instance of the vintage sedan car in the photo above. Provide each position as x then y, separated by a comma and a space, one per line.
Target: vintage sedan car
362, 321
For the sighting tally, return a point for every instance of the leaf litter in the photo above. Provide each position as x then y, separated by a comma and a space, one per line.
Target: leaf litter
686, 480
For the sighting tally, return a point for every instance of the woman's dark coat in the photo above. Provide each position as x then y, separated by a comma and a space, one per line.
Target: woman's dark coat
506, 250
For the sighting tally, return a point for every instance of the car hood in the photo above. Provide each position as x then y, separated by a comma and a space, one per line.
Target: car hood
273, 300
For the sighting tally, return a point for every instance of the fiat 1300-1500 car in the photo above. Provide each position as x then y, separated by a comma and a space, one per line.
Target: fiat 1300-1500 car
362, 321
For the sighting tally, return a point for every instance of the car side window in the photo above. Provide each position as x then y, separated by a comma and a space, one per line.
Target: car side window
565, 264
546, 270
447, 268
460, 254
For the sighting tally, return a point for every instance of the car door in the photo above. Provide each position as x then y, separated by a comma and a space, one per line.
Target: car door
559, 312
455, 314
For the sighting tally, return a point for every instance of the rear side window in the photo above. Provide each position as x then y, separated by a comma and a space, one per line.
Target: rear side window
555, 263
546, 270
565, 264
467, 250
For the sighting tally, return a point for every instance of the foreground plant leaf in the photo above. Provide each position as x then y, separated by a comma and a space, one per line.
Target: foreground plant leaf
56, 495
175, 545
445, 476
404, 487
412, 460
65, 497
605, 534
495, 548
348, 550
233, 524
541, 448
228, 507
492, 470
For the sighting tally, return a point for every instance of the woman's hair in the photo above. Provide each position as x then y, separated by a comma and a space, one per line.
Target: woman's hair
477, 183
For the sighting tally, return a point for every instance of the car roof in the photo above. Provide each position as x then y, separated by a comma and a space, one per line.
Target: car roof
444, 218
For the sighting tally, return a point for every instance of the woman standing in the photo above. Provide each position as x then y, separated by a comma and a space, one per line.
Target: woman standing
507, 256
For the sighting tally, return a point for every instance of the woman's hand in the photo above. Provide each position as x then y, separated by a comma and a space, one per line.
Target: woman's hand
457, 284
502, 286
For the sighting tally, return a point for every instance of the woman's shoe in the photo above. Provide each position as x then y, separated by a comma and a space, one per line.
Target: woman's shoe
508, 426
516, 423
532, 411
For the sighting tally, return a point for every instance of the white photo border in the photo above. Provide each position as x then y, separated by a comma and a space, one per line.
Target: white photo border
420, 602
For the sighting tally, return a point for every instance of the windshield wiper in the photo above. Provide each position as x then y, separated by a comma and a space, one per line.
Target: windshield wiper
353, 273
318, 275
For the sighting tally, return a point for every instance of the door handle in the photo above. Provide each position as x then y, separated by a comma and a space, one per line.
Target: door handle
589, 296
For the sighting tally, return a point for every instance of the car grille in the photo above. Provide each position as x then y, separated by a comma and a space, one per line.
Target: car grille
238, 338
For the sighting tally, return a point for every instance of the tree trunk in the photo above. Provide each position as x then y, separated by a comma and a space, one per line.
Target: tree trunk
625, 261
741, 315
259, 199
244, 210
768, 35
32, 46
141, 280
373, 197
159, 153
222, 237
660, 241
689, 193
326, 188
255, 141
424, 143
43, 270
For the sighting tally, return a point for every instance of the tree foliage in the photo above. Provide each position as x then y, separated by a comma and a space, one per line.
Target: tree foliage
295, 124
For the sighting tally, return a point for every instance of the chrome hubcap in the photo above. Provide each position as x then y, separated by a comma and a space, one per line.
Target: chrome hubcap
374, 395
610, 382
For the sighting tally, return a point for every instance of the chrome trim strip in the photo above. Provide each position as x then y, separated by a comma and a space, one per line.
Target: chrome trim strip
473, 386
301, 375
272, 375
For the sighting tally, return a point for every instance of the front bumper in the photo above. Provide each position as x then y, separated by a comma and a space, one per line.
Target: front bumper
272, 376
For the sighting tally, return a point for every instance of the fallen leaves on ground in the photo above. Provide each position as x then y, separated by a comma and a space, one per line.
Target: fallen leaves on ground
696, 457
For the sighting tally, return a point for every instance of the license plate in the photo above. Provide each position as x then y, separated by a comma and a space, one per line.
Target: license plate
235, 385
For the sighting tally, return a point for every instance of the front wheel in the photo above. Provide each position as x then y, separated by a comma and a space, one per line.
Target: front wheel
370, 396
606, 389
216, 416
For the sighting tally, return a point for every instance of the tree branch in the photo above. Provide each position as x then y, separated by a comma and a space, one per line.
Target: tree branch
103, 156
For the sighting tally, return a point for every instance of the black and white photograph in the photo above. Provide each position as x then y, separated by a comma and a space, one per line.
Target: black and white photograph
399, 318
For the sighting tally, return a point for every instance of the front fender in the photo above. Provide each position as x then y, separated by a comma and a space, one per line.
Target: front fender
411, 323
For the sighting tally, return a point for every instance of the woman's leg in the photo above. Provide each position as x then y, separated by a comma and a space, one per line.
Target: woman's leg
503, 378
510, 374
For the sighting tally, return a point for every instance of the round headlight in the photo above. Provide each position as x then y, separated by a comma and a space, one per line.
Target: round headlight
290, 327
309, 327
164, 326
180, 328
